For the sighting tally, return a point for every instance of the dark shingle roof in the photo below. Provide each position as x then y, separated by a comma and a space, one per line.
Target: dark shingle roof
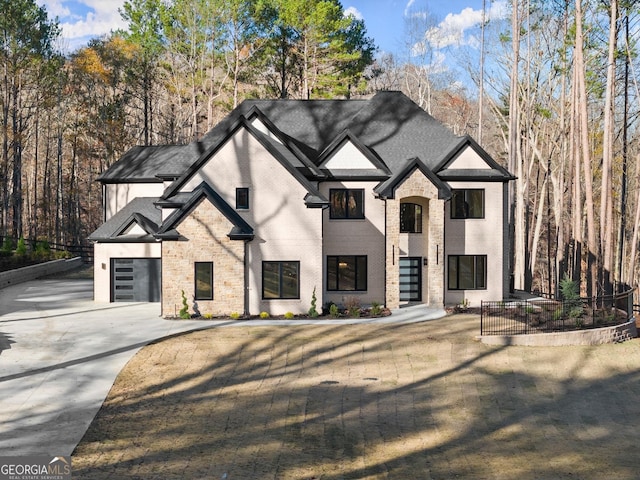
284, 155
150, 163
389, 125
140, 210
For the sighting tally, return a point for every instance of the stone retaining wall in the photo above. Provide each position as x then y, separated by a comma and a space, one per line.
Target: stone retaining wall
595, 336
25, 274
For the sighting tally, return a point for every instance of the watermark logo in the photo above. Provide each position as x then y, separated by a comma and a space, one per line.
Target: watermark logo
35, 468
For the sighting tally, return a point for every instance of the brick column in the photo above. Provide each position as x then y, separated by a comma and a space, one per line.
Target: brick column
392, 270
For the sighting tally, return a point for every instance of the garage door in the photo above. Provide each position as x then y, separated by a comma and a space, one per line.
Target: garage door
135, 279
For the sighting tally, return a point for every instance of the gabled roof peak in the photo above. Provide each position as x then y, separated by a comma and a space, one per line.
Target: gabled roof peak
387, 189
241, 230
372, 165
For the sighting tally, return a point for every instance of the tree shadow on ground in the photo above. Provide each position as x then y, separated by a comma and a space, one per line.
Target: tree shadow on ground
336, 402
5, 342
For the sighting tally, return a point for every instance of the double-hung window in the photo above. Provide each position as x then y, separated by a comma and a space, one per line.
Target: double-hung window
347, 273
203, 281
280, 280
346, 203
467, 272
467, 203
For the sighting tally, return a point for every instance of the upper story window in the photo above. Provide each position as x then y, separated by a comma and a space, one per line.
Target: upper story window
410, 218
467, 203
242, 198
346, 203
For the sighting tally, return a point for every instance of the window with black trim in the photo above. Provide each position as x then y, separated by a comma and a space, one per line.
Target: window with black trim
347, 273
410, 218
346, 203
203, 281
467, 203
280, 280
467, 272
242, 198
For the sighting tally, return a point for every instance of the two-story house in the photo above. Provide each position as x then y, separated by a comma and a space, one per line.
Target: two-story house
369, 199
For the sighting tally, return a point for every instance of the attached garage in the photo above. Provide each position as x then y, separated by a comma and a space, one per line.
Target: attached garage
136, 279
127, 256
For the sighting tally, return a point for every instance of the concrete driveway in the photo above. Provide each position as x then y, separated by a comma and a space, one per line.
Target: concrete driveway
60, 353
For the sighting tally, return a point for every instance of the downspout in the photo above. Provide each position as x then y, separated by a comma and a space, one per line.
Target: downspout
445, 284
386, 239
246, 276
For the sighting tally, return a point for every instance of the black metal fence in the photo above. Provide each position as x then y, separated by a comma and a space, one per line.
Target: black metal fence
546, 315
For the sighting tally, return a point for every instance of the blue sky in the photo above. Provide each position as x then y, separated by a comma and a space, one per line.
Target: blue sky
455, 22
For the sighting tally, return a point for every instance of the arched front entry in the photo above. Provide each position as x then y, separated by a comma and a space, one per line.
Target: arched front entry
415, 241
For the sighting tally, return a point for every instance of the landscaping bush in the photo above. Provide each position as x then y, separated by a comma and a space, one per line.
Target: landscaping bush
21, 248
352, 304
184, 311
313, 312
376, 309
7, 246
571, 296
43, 250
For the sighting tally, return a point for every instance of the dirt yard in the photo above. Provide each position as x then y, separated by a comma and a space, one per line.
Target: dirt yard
419, 401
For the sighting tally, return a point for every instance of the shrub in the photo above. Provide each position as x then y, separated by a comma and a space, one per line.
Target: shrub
352, 304
376, 309
313, 312
571, 297
207, 316
184, 311
569, 288
43, 250
234, 316
288, 315
334, 311
7, 245
21, 248
264, 315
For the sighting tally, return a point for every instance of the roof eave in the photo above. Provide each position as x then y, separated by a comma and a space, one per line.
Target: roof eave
119, 181
143, 239
477, 178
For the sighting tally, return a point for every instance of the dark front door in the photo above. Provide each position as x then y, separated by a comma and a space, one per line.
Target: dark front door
410, 279
135, 279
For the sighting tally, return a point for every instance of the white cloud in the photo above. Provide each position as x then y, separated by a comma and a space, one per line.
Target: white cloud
452, 30
55, 8
354, 12
407, 8
91, 19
